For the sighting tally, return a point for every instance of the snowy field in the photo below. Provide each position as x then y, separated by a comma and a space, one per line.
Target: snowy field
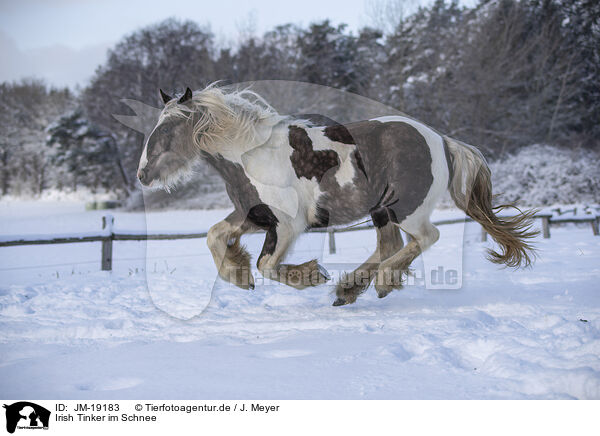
160, 325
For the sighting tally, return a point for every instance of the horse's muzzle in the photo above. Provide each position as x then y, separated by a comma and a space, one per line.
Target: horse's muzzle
142, 176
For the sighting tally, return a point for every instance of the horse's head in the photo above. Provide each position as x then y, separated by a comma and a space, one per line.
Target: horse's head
169, 152
210, 122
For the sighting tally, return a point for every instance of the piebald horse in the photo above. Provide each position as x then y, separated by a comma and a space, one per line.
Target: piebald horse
285, 174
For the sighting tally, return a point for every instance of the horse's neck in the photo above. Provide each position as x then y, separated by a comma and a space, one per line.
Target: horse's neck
242, 163
228, 170
265, 135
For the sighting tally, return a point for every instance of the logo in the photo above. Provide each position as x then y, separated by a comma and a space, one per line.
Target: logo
26, 415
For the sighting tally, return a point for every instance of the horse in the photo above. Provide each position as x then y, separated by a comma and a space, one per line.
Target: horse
285, 174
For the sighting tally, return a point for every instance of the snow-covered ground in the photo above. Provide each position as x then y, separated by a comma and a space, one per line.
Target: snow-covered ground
160, 325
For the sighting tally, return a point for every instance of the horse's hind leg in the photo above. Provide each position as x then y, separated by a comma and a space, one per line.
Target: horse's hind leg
351, 285
231, 258
389, 275
277, 242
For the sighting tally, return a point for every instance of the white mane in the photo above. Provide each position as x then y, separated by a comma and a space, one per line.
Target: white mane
223, 118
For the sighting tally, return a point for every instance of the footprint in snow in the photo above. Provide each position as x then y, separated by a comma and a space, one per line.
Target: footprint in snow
111, 384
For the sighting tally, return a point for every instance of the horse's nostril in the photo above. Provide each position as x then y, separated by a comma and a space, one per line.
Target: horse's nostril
141, 175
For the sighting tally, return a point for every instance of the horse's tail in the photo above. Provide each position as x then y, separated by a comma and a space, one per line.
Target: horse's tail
471, 190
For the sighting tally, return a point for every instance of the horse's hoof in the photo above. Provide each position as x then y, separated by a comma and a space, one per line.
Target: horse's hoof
245, 283
386, 282
385, 290
340, 302
382, 293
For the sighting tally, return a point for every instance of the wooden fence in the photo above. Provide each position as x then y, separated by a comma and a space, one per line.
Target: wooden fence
107, 235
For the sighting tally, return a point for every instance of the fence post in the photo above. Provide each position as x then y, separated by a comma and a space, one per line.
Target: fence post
331, 233
107, 242
595, 226
546, 226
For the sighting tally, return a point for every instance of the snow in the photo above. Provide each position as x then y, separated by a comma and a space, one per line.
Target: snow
577, 212
161, 325
55, 198
562, 176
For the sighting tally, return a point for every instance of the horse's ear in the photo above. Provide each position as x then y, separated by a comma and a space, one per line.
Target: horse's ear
165, 97
185, 97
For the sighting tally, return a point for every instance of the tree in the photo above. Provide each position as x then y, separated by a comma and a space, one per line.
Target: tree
328, 57
370, 63
170, 55
88, 154
514, 81
582, 22
500, 75
26, 108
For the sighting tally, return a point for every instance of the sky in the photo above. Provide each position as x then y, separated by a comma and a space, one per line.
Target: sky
63, 41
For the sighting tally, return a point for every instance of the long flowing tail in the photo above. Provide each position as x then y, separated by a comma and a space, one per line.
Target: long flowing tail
471, 190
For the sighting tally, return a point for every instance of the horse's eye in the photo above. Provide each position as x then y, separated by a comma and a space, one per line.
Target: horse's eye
153, 152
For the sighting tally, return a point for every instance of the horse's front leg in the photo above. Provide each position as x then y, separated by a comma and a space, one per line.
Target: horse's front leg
278, 240
231, 258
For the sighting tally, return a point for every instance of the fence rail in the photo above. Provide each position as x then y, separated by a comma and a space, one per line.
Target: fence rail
107, 235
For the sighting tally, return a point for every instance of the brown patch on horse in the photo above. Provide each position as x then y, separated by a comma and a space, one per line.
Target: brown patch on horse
307, 162
338, 133
405, 149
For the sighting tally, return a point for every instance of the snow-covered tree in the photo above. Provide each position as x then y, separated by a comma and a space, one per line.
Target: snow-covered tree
329, 57
87, 154
171, 55
26, 108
